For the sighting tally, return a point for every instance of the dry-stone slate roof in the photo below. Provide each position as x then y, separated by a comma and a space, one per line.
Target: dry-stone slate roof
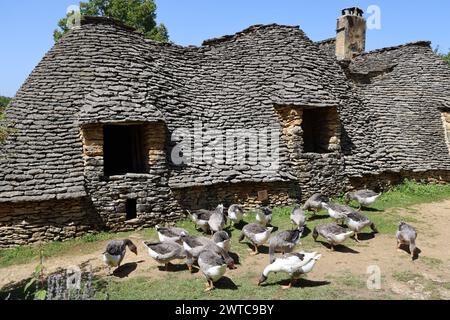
104, 72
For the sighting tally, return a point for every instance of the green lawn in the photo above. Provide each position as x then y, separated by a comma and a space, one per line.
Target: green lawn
183, 286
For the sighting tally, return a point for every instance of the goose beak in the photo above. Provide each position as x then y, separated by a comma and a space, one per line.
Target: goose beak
262, 280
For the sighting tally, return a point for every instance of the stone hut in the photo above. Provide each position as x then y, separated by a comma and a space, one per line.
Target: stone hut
112, 131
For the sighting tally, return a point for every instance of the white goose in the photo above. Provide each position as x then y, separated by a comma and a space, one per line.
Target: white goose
170, 233
333, 233
294, 264
337, 212
257, 234
364, 197
264, 216
115, 252
165, 252
213, 267
235, 214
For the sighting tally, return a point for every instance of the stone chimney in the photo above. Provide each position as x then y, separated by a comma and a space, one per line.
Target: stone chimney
351, 34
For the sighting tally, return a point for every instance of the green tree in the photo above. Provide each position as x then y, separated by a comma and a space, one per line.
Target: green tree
140, 14
4, 101
446, 58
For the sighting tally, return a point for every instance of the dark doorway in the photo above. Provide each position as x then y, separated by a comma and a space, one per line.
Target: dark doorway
131, 208
318, 129
123, 150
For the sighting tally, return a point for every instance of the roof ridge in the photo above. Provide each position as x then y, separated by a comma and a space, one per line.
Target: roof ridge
422, 43
329, 40
87, 20
248, 30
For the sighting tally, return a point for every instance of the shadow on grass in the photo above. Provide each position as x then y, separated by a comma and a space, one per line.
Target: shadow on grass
365, 236
225, 283
371, 209
235, 257
125, 270
306, 232
174, 268
238, 226
339, 248
301, 283
417, 252
318, 217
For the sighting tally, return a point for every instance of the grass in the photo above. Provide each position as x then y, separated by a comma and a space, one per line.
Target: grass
406, 276
403, 196
191, 287
26, 254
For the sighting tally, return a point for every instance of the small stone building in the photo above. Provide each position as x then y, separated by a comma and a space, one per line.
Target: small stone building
98, 125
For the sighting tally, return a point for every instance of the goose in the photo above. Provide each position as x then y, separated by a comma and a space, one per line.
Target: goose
165, 252
201, 219
257, 234
115, 252
264, 216
337, 212
298, 218
235, 214
217, 220
356, 222
191, 242
169, 233
213, 267
407, 234
223, 240
333, 233
284, 242
364, 197
315, 203
195, 245
294, 264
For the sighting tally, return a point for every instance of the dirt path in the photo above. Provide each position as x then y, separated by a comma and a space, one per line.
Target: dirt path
422, 279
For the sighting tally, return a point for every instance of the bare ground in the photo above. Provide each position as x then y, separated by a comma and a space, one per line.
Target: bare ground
426, 278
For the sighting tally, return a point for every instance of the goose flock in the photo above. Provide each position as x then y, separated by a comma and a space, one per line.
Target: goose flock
211, 255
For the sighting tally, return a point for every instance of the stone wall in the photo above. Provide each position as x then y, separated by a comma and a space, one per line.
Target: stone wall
150, 190
316, 172
384, 181
249, 195
446, 122
31, 222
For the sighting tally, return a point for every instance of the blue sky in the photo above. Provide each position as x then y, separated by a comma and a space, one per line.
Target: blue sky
26, 26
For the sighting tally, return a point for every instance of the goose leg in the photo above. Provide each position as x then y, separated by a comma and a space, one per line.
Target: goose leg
209, 286
288, 286
331, 247
356, 237
255, 252
399, 245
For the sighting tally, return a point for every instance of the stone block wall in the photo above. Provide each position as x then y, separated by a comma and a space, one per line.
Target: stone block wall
32, 222
384, 181
446, 122
150, 190
248, 195
316, 172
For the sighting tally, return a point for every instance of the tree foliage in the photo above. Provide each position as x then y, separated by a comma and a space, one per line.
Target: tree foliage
140, 14
446, 58
4, 101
